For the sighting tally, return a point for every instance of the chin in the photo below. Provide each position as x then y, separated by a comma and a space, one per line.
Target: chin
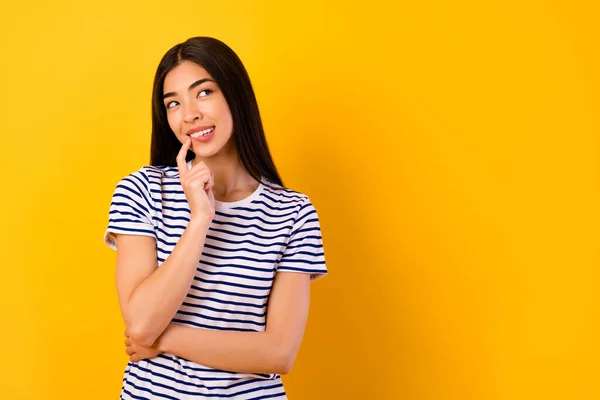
205, 150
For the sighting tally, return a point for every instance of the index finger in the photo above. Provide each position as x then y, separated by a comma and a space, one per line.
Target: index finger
181, 165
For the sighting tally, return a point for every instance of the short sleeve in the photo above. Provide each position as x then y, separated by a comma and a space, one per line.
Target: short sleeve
129, 211
304, 251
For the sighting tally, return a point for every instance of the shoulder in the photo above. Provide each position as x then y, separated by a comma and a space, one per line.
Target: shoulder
287, 201
139, 185
149, 174
277, 195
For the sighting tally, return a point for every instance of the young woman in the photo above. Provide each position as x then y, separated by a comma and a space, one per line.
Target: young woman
214, 255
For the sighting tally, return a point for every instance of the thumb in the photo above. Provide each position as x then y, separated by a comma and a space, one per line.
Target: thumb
211, 196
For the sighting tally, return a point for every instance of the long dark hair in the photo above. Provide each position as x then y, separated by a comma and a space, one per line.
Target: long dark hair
227, 70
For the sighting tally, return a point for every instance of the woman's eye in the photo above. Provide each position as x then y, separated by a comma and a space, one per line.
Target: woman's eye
171, 104
207, 91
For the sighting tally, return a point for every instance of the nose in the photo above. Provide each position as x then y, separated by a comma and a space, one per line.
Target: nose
191, 112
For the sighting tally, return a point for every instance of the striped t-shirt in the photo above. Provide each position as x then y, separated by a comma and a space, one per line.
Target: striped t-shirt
273, 229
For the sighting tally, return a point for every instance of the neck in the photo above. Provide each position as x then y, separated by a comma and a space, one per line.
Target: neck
230, 176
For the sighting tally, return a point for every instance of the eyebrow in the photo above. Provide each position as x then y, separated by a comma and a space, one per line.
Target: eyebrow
192, 86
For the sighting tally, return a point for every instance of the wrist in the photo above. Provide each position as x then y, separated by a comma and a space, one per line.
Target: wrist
162, 344
199, 223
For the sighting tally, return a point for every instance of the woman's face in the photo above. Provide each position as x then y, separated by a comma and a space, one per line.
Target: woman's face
196, 108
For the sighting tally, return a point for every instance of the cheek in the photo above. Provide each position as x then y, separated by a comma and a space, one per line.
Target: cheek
225, 115
173, 121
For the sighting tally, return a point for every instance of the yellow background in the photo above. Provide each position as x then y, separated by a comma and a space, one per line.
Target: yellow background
450, 147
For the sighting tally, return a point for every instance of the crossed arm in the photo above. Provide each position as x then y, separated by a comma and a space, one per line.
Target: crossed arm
150, 297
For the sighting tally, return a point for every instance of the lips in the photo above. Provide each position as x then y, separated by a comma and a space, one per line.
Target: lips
198, 129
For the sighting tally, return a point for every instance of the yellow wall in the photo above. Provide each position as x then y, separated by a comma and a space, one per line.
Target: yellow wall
451, 149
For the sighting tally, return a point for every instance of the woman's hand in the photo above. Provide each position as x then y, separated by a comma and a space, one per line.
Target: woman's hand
197, 185
137, 352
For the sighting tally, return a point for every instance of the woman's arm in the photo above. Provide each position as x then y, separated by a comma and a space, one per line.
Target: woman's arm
150, 296
271, 351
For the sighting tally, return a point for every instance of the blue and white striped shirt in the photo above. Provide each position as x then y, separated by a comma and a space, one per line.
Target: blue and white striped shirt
274, 229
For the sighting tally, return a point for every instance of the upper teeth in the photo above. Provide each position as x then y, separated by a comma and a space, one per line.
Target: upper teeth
202, 133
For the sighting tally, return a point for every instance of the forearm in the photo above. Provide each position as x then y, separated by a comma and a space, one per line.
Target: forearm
245, 352
155, 301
